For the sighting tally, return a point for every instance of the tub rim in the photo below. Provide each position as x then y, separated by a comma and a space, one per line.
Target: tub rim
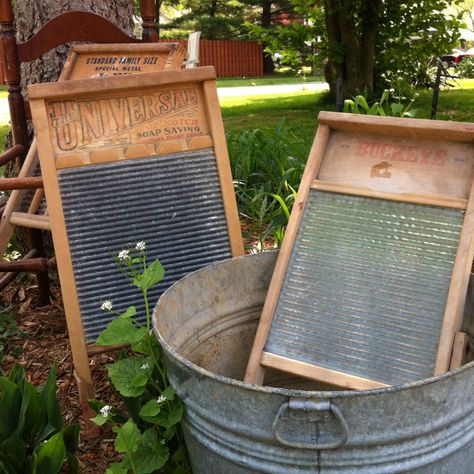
287, 392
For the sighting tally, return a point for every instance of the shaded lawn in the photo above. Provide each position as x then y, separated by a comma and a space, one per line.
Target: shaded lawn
453, 104
266, 111
301, 109
267, 81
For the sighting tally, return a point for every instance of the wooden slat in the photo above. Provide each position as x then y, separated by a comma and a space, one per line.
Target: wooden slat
223, 167
438, 130
63, 257
64, 29
461, 341
8, 184
81, 88
16, 197
453, 314
255, 372
134, 152
402, 197
332, 377
11, 154
31, 221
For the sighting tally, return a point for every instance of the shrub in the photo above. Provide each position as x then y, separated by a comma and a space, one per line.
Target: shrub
465, 68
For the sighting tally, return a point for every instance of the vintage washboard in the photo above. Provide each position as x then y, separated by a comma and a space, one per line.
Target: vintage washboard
87, 61
127, 159
99, 60
372, 276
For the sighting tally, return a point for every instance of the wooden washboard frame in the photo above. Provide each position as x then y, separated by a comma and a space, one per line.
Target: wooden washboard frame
98, 60
426, 164
83, 62
66, 117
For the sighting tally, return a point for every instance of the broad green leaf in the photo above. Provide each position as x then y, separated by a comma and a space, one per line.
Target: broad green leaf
169, 415
123, 372
13, 454
151, 454
120, 331
128, 438
118, 468
151, 276
169, 393
32, 416
49, 401
129, 313
51, 455
17, 374
71, 438
47, 431
10, 406
99, 419
141, 378
151, 408
396, 109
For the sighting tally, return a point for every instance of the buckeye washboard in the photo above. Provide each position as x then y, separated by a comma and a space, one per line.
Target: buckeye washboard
371, 279
128, 159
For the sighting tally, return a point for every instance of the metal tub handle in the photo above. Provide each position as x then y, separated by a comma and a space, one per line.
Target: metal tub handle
298, 412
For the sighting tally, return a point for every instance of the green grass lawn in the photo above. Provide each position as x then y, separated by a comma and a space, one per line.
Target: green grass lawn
300, 109
267, 81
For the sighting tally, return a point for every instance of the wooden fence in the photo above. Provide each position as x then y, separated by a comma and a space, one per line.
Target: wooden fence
230, 58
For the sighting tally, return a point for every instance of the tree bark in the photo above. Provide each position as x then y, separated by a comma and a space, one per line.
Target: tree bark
351, 41
266, 21
30, 16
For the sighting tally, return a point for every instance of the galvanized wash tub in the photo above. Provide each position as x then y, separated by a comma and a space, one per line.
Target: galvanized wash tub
206, 323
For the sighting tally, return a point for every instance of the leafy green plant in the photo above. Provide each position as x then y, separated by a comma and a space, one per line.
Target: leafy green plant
267, 168
33, 438
148, 435
384, 107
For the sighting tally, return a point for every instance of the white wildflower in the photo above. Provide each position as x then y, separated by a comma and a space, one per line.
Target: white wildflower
105, 411
141, 246
123, 255
163, 441
145, 366
107, 305
161, 399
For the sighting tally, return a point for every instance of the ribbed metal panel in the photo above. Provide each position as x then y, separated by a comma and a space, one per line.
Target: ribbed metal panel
366, 287
172, 202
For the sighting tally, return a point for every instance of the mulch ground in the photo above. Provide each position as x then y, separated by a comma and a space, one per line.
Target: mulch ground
45, 340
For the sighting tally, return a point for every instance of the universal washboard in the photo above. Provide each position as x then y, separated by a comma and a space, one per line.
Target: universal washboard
371, 279
128, 159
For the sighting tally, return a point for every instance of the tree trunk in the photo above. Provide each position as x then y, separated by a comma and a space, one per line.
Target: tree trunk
30, 15
266, 20
351, 41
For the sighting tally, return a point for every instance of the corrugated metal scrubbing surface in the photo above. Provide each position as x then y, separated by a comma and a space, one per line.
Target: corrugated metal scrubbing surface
366, 287
172, 202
